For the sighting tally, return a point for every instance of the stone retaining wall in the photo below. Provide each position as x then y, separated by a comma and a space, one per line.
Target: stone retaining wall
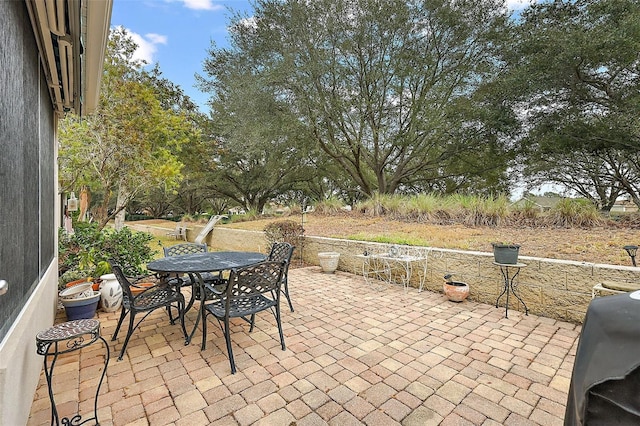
551, 288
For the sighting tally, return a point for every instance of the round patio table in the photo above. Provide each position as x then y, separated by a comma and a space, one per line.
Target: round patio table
198, 263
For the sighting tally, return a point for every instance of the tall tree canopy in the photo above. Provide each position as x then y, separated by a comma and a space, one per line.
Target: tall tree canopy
387, 89
130, 143
575, 71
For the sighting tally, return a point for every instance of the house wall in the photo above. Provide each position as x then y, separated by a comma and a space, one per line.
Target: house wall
28, 209
556, 289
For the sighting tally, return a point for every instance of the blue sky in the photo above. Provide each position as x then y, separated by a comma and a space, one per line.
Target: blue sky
177, 33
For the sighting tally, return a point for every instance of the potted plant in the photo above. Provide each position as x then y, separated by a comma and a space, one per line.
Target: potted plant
505, 253
456, 291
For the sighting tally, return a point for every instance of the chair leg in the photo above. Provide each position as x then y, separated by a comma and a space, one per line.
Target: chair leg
129, 333
227, 338
181, 311
123, 313
204, 328
172, 320
286, 293
252, 322
280, 326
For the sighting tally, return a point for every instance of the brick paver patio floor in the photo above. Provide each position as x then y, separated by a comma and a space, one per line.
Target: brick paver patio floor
355, 355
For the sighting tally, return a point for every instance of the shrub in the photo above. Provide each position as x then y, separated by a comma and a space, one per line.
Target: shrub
89, 249
286, 231
380, 205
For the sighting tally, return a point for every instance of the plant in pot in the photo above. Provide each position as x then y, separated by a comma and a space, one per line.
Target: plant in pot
85, 254
505, 253
456, 291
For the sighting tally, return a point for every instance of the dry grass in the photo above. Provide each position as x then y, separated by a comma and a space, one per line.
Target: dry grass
597, 245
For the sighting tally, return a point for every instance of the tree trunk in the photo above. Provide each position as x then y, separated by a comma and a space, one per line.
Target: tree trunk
123, 197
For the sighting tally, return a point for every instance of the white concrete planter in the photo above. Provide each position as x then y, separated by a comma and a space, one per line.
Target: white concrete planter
329, 261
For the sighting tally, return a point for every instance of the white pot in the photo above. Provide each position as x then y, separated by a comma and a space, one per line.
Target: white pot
110, 293
328, 261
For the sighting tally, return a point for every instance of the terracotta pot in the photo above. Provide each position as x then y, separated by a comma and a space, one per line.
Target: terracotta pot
456, 291
95, 286
136, 291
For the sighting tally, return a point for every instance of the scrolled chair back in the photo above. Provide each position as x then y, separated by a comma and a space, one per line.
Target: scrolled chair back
184, 248
254, 280
124, 282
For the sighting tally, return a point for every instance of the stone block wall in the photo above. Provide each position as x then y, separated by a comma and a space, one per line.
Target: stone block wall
551, 288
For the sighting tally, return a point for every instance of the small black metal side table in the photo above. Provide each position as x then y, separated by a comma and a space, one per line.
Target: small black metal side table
510, 285
67, 337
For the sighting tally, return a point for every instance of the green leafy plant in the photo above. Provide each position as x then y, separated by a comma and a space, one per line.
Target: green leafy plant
87, 252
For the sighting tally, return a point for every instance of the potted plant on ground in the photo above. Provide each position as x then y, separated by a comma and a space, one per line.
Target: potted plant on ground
85, 254
456, 291
505, 253
80, 301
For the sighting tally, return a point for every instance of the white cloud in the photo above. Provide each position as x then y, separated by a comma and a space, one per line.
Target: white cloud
518, 4
147, 45
202, 5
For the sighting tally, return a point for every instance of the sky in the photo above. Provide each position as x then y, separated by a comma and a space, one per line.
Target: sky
177, 33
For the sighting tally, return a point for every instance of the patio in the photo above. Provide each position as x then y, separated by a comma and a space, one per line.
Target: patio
354, 356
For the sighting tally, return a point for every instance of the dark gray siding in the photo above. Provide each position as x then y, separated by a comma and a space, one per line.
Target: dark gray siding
27, 186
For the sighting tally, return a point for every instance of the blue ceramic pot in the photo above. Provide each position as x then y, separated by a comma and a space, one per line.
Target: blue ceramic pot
82, 308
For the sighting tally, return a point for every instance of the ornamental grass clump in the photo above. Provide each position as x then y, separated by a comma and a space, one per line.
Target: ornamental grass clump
574, 213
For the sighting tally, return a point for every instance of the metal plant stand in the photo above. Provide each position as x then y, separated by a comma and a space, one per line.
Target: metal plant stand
63, 338
510, 285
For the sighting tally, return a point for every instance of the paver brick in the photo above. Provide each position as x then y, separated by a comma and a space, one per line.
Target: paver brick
248, 415
357, 357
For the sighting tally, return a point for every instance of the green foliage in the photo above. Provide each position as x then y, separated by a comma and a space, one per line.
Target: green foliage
380, 204
421, 207
474, 210
389, 107
89, 249
131, 143
482, 211
389, 239
286, 231
526, 211
573, 66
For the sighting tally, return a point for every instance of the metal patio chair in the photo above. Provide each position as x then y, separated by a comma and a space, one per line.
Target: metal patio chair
147, 301
282, 252
251, 289
211, 278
